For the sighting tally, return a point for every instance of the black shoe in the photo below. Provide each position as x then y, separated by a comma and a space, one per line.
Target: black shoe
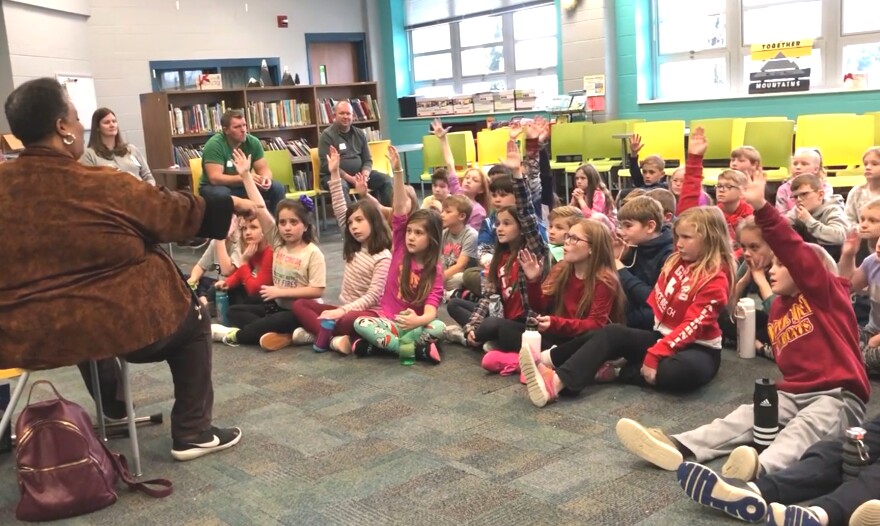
210, 441
427, 352
362, 347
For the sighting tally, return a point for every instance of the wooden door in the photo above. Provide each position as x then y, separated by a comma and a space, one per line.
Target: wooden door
339, 58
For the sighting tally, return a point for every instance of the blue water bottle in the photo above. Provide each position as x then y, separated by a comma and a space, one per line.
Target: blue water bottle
222, 302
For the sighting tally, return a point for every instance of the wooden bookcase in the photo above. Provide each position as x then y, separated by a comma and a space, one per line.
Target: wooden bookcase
160, 140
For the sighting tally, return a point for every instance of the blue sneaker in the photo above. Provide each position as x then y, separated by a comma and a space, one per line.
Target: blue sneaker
794, 516
731, 496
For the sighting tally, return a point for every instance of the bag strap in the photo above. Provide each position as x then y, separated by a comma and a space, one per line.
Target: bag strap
38, 382
120, 465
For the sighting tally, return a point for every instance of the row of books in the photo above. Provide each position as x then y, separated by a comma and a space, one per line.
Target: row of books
301, 182
198, 118
278, 114
185, 152
297, 148
363, 109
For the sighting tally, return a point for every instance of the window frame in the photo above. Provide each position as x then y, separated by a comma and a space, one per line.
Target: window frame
509, 74
830, 45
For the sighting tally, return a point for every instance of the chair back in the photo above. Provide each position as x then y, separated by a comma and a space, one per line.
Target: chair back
719, 135
663, 138
195, 166
599, 141
461, 144
492, 145
279, 162
842, 138
739, 129
772, 139
567, 142
379, 153
316, 168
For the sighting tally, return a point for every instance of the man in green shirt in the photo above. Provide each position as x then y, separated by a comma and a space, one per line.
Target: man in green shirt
219, 175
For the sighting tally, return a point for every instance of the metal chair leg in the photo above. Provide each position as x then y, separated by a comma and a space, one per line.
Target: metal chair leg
132, 423
13, 401
99, 404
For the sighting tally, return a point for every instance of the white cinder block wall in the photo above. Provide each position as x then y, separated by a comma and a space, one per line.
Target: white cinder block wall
587, 41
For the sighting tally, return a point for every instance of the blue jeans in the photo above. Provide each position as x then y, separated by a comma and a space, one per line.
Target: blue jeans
273, 195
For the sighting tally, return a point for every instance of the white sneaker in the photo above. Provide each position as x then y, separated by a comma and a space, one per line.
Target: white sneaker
742, 464
454, 334
301, 337
650, 444
341, 344
866, 514
219, 332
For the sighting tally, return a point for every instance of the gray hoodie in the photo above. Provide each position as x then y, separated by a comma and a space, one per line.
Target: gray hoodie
828, 223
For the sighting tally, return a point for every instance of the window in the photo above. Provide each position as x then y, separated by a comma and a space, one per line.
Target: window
512, 49
702, 49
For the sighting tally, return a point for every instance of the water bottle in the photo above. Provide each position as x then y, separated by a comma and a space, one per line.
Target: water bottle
406, 350
766, 407
322, 342
855, 453
745, 327
222, 301
496, 309
531, 338
6, 438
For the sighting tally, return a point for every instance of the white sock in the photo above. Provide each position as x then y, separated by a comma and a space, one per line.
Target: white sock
820, 514
545, 358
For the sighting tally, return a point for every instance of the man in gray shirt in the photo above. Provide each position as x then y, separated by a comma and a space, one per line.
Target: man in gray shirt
354, 155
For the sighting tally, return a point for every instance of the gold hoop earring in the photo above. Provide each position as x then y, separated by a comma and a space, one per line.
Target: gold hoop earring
69, 139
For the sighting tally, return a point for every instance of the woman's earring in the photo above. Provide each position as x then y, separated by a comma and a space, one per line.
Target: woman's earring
69, 139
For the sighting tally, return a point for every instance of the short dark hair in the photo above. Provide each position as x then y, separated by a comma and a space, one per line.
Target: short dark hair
501, 183
228, 115
33, 108
498, 169
440, 174
301, 213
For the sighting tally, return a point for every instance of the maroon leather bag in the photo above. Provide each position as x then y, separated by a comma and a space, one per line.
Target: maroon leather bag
64, 469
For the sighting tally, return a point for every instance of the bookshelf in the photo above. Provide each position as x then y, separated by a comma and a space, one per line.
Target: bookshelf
177, 123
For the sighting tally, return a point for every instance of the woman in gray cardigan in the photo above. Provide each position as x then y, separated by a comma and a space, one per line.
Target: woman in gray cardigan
106, 148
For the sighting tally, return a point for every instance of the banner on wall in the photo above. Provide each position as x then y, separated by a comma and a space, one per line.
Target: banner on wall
780, 67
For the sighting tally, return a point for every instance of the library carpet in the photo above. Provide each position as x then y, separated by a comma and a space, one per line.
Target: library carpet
333, 440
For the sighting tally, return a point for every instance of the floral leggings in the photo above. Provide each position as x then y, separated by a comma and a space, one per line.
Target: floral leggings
386, 334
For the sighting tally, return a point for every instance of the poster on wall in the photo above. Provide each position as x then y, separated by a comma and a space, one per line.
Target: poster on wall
780, 67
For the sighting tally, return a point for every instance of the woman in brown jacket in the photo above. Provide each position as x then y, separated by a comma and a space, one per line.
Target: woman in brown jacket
82, 276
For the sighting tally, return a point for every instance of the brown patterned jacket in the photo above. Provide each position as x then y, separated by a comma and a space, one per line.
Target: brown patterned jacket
81, 276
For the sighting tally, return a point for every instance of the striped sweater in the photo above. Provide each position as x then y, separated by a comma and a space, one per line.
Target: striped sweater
363, 279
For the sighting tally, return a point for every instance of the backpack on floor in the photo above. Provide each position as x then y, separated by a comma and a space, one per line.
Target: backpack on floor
64, 469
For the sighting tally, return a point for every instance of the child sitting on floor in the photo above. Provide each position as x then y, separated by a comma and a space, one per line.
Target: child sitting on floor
804, 161
458, 248
817, 220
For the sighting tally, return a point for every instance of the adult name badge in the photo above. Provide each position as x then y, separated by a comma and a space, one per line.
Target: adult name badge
229, 163
342, 147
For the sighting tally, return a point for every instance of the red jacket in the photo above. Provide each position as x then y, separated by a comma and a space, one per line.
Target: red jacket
814, 333
253, 273
570, 324
686, 313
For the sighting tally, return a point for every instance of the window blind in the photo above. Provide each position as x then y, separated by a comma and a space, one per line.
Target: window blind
420, 13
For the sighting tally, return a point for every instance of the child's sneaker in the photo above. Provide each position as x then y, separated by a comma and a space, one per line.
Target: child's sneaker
868, 514
223, 334
797, 516
341, 344
503, 363
427, 352
731, 496
362, 347
454, 334
275, 341
301, 336
210, 441
649, 444
742, 464
607, 373
539, 379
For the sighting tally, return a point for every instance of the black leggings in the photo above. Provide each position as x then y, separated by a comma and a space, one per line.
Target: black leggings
506, 333
728, 328
578, 360
253, 322
818, 477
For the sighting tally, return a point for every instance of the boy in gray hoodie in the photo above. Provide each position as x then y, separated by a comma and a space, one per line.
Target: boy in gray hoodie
814, 217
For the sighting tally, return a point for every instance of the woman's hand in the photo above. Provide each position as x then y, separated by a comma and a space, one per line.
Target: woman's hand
242, 162
543, 323
650, 375
530, 265
271, 292
332, 314
407, 320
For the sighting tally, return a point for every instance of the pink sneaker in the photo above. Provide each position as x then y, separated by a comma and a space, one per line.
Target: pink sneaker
607, 373
539, 379
503, 363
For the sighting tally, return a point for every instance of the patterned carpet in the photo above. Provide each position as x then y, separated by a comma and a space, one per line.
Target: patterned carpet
333, 440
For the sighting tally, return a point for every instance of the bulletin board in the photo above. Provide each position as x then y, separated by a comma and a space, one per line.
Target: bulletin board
82, 92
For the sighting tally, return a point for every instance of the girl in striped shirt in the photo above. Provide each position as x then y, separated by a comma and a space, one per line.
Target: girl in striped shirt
366, 244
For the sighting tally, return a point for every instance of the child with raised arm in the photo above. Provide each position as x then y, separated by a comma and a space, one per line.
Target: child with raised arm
649, 174
414, 287
366, 250
823, 389
298, 271
474, 183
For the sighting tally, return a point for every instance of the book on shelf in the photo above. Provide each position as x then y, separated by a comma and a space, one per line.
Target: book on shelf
301, 182
372, 135
363, 108
185, 152
278, 114
198, 118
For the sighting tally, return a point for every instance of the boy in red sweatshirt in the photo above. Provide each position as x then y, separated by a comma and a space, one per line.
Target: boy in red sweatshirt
814, 335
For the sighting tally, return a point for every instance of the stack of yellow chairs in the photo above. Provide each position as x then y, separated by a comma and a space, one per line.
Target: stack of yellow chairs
663, 138
772, 138
842, 138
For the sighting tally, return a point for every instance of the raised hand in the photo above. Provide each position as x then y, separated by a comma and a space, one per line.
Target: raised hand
394, 159
244, 207
544, 136
333, 160
360, 184
697, 142
438, 130
536, 128
514, 158
515, 129
635, 144
851, 243
241, 161
531, 266
754, 192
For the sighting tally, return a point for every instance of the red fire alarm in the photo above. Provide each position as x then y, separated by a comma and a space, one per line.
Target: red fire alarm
282, 21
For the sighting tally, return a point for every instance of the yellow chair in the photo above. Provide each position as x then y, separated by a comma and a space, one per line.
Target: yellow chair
737, 137
195, 166
462, 146
663, 138
567, 145
719, 133
842, 139
772, 138
379, 153
492, 146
